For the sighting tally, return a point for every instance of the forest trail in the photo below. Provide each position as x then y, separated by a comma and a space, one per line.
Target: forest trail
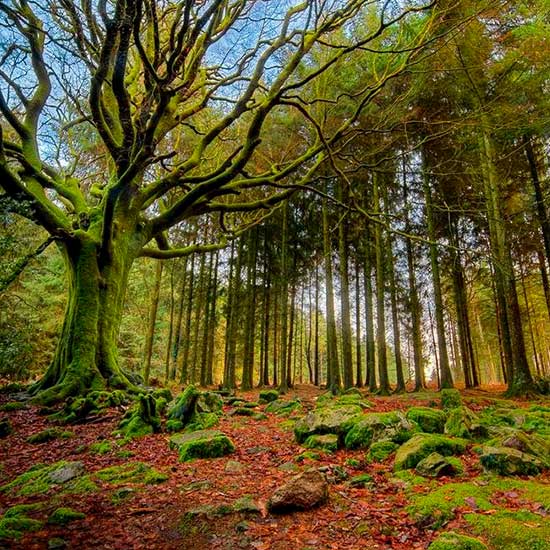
194, 507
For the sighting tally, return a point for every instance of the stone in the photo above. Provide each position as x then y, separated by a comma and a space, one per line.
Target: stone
282, 407
436, 465
380, 450
267, 396
429, 420
328, 442
335, 420
507, 461
421, 445
208, 402
372, 427
463, 422
304, 491
531, 444
201, 444
450, 399
66, 472
454, 541
234, 467
246, 505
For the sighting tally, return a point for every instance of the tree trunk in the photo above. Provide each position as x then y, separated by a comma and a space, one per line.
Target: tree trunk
149, 339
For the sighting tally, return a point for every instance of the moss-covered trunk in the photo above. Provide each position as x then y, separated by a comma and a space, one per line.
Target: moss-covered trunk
86, 354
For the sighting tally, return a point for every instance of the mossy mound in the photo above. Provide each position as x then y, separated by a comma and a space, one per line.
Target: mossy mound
242, 411
64, 516
450, 399
439, 506
437, 465
380, 450
463, 422
506, 461
202, 421
49, 434
421, 445
131, 472
79, 409
521, 530
431, 421
142, 419
336, 420
328, 442
353, 397
194, 410
101, 447
267, 396
201, 444
66, 477
15, 521
13, 406
281, 407
372, 427
454, 541
362, 480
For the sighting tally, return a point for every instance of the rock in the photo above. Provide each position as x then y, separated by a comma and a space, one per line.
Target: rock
531, 444
184, 406
282, 407
436, 465
56, 543
507, 461
267, 396
246, 505
361, 480
201, 444
208, 402
380, 450
463, 422
302, 492
63, 516
372, 427
242, 411
450, 399
66, 472
5, 427
142, 419
234, 467
454, 541
335, 420
328, 442
422, 445
430, 420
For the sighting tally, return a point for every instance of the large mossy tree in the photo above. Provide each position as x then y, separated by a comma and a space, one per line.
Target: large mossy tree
122, 119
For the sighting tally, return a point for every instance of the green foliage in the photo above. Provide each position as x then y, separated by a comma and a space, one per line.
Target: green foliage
15, 521
455, 541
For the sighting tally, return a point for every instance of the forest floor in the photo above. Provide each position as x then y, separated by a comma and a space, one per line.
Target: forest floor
172, 514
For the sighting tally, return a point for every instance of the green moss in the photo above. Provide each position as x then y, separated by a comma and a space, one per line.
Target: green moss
174, 425
63, 516
101, 447
132, 472
124, 453
49, 434
463, 422
422, 445
13, 406
429, 420
520, 530
68, 477
336, 420
309, 455
450, 399
283, 408
267, 396
242, 411
454, 541
507, 461
142, 419
381, 450
371, 427
361, 480
201, 444
14, 527
203, 421
184, 406
328, 442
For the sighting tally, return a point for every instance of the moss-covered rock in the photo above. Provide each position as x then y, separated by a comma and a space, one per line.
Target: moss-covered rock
421, 445
64, 516
142, 419
509, 530
101, 447
362, 480
184, 406
201, 444
267, 396
328, 442
242, 411
336, 420
49, 434
131, 472
430, 420
282, 407
79, 409
380, 450
202, 421
507, 461
450, 399
13, 406
437, 465
208, 402
454, 541
372, 427
15, 521
463, 422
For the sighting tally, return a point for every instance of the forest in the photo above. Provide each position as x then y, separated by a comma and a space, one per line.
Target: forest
275, 274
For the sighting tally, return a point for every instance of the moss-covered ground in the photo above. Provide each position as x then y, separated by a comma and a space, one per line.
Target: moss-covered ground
100, 487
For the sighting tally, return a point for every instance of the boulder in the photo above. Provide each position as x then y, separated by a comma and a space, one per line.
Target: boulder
267, 396
507, 461
450, 399
380, 450
463, 422
328, 442
304, 491
436, 465
454, 541
372, 427
531, 444
421, 445
66, 472
282, 407
208, 402
335, 420
201, 444
430, 420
